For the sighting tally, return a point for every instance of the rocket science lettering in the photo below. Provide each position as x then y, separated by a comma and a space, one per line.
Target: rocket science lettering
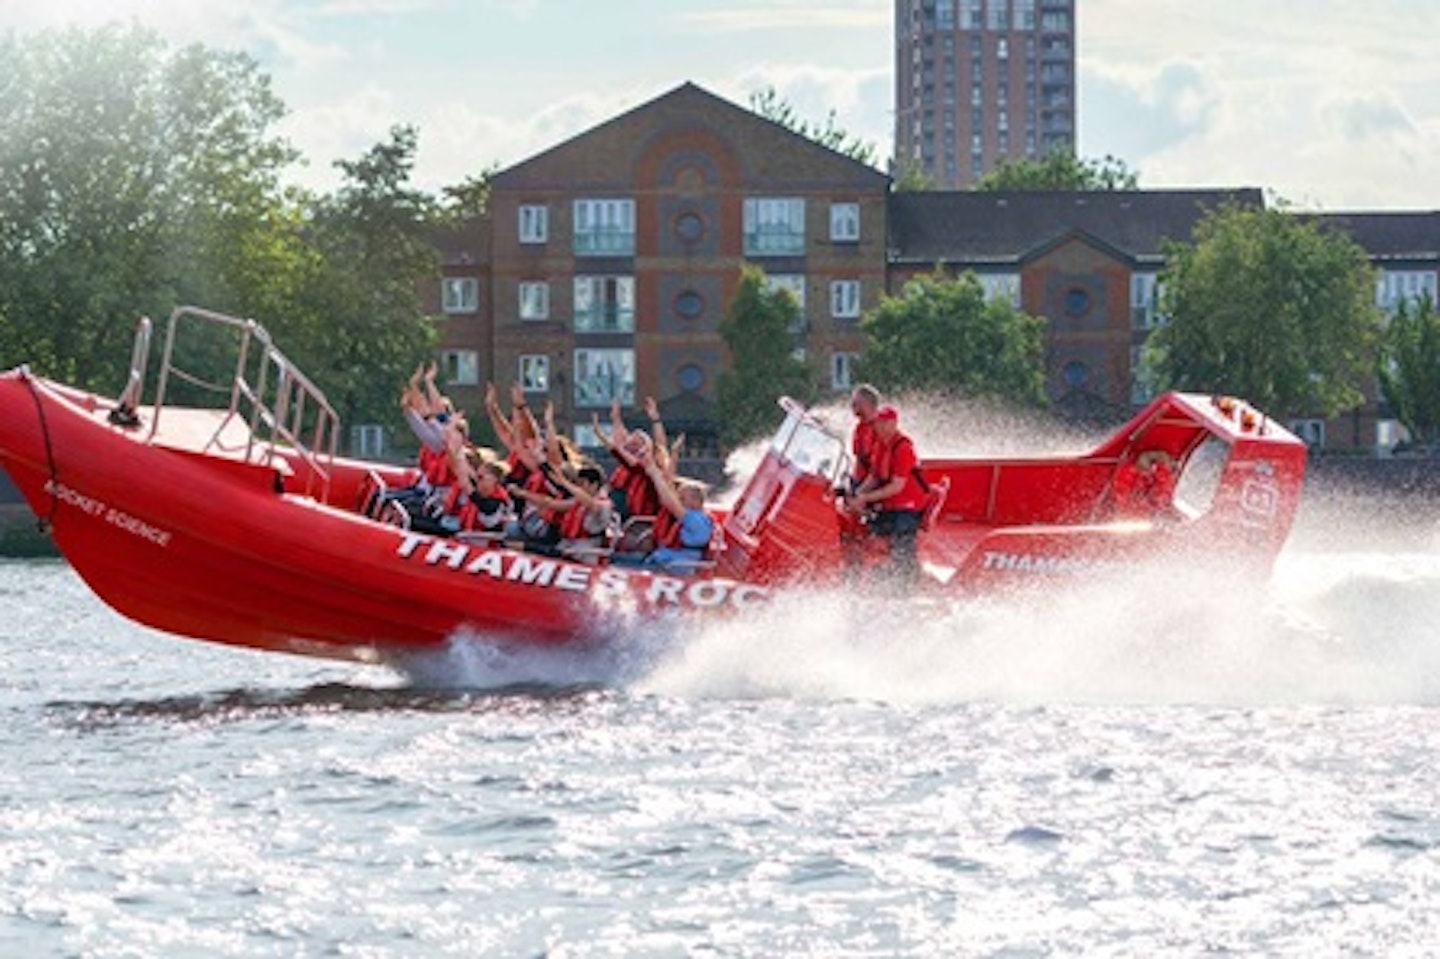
1030, 563
91, 506
601, 583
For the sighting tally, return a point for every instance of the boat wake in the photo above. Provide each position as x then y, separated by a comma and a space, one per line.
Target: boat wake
1327, 628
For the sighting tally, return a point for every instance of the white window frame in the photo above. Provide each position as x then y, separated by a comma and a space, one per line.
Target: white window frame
842, 370
367, 441
1311, 431
845, 299
534, 226
1394, 287
605, 304
774, 226
1145, 301
604, 227
533, 371
844, 223
1004, 287
596, 369
459, 294
534, 300
460, 367
792, 283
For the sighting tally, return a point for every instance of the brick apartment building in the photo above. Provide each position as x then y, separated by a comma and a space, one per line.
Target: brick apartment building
607, 262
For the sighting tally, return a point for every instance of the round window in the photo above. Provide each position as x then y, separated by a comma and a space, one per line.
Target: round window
689, 227
689, 304
1076, 375
690, 377
1077, 302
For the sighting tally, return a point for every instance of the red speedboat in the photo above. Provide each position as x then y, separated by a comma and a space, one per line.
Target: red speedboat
241, 525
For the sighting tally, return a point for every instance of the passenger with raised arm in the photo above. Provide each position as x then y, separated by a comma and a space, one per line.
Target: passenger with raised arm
479, 502
631, 489
895, 490
583, 512
683, 530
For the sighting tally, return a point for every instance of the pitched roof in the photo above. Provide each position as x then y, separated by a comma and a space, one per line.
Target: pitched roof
686, 106
1407, 235
1004, 226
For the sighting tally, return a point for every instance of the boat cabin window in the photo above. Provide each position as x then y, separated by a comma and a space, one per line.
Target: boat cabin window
806, 446
1200, 479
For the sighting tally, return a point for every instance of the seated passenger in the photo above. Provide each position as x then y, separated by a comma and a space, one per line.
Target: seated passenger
684, 530
479, 502
584, 514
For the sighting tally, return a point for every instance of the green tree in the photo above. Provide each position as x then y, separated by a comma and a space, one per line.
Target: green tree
773, 107
1410, 368
944, 336
763, 367
1060, 169
358, 326
132, 177
1268, 306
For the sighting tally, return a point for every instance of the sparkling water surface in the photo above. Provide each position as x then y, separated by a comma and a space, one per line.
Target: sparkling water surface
1161, 767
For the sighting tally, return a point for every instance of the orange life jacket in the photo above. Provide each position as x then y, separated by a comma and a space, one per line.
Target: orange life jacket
640, 496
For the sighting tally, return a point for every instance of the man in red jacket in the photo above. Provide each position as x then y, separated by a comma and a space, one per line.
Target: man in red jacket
895, 490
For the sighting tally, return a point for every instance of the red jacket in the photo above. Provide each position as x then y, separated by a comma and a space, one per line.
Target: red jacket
640, 496
897, 458
862, 447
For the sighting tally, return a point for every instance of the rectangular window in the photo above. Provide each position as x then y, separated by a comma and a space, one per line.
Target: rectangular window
1311, 431
585, 437
1145, 301
534, 224
845, 299
842, 370
535, 373
535, 300
460, 367
604, 304
367, 441
792, 283
1394, 287
999, 16
459, 294
974, 14
844, 222
774, 226
1025, 14
1140, 390
1001, 286
604, 227
603, 376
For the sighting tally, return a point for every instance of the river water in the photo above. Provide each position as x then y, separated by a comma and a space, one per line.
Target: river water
1156, 768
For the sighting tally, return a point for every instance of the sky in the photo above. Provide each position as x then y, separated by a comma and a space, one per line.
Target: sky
1327, 104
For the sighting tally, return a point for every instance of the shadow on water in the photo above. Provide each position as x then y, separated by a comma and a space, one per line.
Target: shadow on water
247, 704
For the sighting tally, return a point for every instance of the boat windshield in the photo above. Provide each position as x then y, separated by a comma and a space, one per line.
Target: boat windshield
806, 445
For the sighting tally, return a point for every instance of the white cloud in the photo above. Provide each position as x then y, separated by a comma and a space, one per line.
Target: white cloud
1331, 104
781, 17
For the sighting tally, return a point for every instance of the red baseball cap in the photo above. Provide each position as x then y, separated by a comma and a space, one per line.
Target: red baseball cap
887, 412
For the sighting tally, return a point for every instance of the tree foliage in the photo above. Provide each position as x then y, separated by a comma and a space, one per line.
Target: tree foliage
944, 336
770, 105
359, 325
757, 329
1268, 306
1410, 368
132, 177
1060, 169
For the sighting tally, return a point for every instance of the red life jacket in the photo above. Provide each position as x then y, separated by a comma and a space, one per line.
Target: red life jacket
640, 496
536, 482
435, 466
894, 459
572, 522
862, 446
666, 530
469, 512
